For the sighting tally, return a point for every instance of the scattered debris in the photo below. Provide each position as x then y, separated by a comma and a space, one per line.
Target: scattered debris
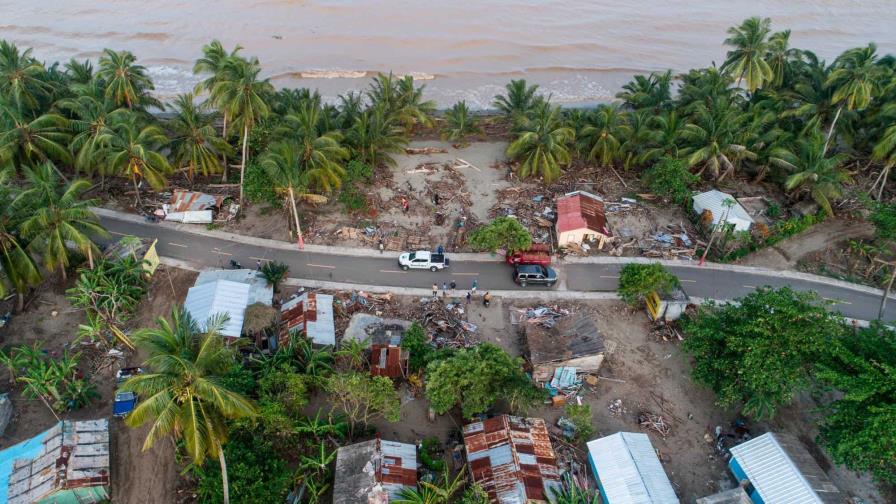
615, 407
654, 422
425, 150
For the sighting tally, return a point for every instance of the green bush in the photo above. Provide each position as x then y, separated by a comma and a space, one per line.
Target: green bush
580, 416
670, 179
637, 280
429, 454
353, 200
255, 476
357, 170
258, 187
502, 232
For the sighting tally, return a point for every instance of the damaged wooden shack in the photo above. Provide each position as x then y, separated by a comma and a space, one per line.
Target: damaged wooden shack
383, 338
374, 472
571, 341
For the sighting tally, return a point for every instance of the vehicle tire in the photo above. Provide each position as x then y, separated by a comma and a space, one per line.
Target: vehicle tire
551, 284
405, 268
522, 284
433, 269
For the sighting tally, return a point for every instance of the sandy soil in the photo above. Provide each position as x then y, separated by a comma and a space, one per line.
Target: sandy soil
137, 477
829, 234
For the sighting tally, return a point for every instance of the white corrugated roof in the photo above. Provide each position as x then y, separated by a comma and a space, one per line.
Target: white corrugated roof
772, 473
629, 470
713, 201
260, 292
221, 296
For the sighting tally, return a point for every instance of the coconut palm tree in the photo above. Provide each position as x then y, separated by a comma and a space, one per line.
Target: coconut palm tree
240, 94
195, 142
519, 100
134, 151
712, 140
811, 171
855, 79
183, 394
30, 141
746, 60
459, 123
652, 91
212, 62
885, 148
90, 125
542, 145
665, 140
126, 82
351, 106
17, 268
413, 110
781, 57
22, 78
600, 138
58, 220
811, 95
321, 154
441, 491
375, 136
79, 72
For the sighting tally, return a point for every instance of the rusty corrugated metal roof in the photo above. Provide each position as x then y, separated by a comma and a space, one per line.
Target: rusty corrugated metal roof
388, 360
191, 201
512, 459
580, 210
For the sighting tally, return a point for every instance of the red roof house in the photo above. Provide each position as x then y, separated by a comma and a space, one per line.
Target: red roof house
581, 217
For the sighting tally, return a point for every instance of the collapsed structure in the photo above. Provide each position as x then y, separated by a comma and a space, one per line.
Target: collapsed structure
69, 463
310, 314
724, 209
374, 472
226, 293
574, 342
512, 459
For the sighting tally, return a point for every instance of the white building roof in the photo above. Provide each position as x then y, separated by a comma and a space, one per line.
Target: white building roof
628, 470
714, 202
260, 292
217, 297
783, 472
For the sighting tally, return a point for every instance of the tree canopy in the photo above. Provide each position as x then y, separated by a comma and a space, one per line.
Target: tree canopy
637, 280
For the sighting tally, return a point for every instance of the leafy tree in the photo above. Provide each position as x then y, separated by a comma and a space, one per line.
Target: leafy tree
781, 58
713, 139
90, 125
475, 378
885, 149
746, 60
883, 216
501, 232
194, 141
212, 63
422, 352
670, 179
284, 386
363, 398
59, 221
638, 280
256, 477
126, 81
759, 352
319, 154
542, 145
519, 101
460, 123
274, 272
859, 428
854, 80
182, 393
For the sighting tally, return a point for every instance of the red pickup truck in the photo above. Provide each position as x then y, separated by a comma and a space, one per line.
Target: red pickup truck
538, 253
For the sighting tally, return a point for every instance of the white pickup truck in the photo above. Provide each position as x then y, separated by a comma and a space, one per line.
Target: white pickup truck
423, 259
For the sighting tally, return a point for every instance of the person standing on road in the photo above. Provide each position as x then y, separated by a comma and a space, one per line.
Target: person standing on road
381, 246
444, 290
475, 285
469, 297
440, 249
258, 264
435, 290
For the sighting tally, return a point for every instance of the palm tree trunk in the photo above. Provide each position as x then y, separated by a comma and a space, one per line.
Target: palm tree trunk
883, 300
136, 190
295, 215
20, 302
831, 131
224, 474
243, 163
224, 136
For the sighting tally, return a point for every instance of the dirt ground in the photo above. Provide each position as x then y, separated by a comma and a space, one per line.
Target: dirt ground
646, 374
831, 234
137, 477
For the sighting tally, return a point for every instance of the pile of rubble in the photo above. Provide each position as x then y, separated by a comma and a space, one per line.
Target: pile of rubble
530, 206
446, 322
542, 315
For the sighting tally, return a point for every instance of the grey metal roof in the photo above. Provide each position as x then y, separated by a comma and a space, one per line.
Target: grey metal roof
629, 471
783, 472
217, 297
374, 471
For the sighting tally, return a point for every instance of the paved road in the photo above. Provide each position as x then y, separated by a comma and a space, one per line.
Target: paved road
376, 270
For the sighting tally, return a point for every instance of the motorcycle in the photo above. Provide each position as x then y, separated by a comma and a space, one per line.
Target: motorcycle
235, 264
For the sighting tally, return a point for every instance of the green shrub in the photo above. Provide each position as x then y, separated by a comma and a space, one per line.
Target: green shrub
254, 474
580, 416
670, 179
637, 280
429, 454
258, 187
